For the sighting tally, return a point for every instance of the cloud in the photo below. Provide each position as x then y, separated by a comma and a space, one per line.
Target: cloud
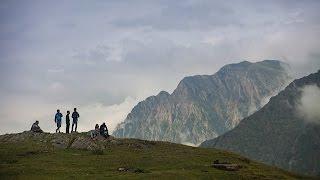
19, 114
100, 54
309, 107
95, 54
56, 70
111, 115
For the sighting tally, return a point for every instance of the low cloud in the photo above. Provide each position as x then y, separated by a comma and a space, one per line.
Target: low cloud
111, 115
19, 114
309, 106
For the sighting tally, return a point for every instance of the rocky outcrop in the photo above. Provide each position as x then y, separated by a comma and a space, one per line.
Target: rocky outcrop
81, 141
279, 134
205, 106
59, 140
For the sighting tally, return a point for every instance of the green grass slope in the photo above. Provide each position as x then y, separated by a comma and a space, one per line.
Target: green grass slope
34, 157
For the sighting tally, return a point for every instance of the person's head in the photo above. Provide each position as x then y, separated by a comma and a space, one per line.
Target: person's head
68, 112
97, 125
75, 109
58, 110
104, 123
37, 122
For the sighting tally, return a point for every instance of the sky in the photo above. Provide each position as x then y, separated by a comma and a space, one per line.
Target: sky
103, 57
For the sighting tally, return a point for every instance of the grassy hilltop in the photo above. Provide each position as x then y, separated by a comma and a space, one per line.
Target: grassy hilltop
60, 156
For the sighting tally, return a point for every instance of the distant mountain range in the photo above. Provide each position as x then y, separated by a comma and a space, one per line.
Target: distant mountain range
205, 106
283, 133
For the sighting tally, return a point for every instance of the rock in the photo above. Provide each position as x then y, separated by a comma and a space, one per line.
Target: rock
226, 166
122, 169
133, 170
84, 143
60, 143
138, 170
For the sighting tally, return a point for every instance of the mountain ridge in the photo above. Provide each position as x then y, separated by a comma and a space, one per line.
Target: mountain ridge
196, 109
280, 137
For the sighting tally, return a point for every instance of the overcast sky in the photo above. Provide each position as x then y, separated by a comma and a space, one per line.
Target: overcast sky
105, 56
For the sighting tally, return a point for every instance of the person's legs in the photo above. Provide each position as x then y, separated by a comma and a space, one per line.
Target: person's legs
67, 128
104, 134
72, 126
58, 127
75, 129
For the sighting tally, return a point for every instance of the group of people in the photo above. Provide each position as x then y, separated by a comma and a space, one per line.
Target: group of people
58, 120
98, 130
102, 130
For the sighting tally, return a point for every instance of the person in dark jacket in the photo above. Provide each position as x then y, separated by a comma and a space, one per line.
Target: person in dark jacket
104, 130
67, 122
75, 117
36, 128
57, 120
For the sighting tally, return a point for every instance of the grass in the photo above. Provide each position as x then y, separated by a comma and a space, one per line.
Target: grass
32, 159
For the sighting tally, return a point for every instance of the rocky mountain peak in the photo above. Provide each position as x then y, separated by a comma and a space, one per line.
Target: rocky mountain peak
205, 106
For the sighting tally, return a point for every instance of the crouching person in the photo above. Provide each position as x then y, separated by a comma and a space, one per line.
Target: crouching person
104, 130
36, 128
94, 133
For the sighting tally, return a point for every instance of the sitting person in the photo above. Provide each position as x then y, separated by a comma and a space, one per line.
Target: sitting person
94, 133
104, 130
36, 128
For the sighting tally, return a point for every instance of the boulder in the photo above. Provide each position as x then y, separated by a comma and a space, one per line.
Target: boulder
226, 166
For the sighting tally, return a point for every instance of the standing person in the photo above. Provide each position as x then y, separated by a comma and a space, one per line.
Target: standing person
75, 116
104, 130
67, 122
57, 120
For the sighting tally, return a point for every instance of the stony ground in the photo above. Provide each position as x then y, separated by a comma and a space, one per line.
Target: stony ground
72, 156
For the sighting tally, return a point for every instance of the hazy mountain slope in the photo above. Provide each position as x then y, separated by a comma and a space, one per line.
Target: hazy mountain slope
43, 156
279, 134
205, 106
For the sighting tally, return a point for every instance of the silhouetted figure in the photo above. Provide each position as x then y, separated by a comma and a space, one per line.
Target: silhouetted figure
104, 130
75, 116
95, 132
36, 128
57, 120
67, 122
